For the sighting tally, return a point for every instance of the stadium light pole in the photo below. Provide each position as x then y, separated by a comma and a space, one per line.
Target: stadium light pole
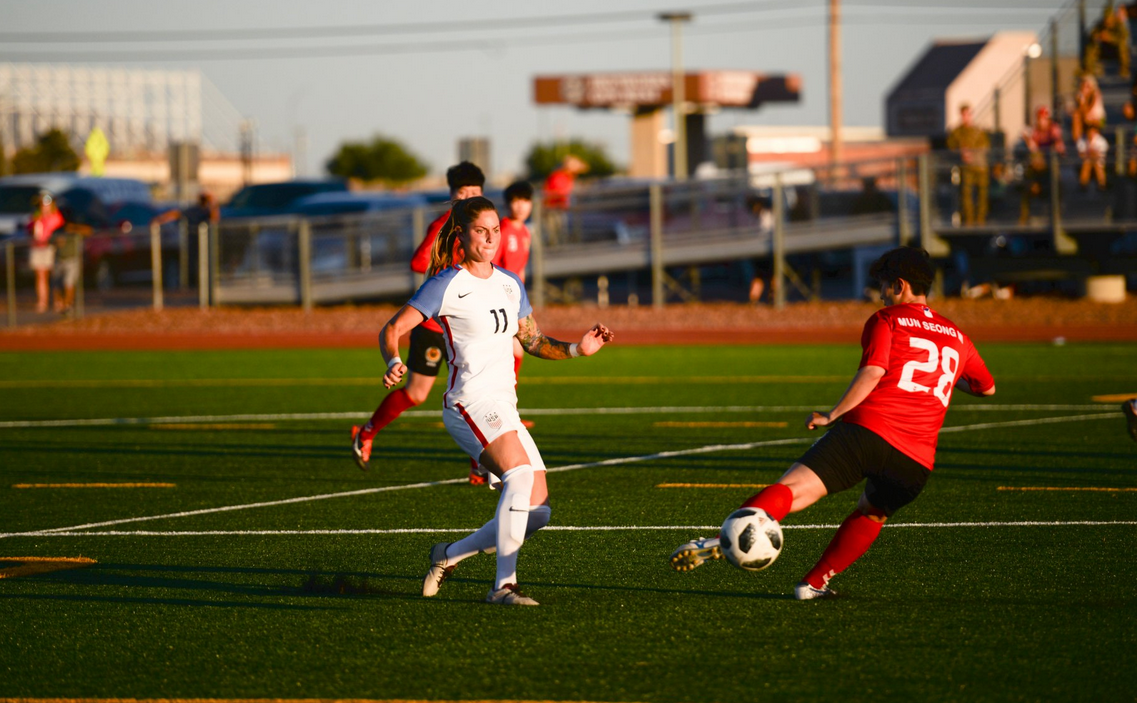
678, 90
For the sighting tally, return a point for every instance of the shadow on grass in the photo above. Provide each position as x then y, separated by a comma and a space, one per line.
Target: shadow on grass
309, 584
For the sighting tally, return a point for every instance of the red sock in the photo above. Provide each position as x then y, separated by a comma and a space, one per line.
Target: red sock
392, 406
853, 538
775, 499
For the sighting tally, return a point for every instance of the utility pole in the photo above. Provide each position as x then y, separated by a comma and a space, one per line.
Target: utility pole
835, 146
678, 90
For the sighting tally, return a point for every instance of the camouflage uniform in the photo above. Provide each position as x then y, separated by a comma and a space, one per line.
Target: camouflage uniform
972, 144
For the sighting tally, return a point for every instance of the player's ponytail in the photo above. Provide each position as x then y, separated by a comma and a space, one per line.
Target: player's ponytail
447, 250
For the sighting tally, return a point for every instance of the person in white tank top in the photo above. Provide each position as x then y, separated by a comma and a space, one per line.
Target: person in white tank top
482, 308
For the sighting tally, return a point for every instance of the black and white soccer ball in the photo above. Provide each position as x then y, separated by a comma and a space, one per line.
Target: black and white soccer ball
750, 539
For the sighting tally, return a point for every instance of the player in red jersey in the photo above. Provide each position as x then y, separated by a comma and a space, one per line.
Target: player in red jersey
465, 181
513, 254
891, 416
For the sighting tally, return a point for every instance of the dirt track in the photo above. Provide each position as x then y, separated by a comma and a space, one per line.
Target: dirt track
1033, 319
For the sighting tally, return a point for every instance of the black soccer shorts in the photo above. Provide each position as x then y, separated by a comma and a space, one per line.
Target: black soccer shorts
425, 355
847, 453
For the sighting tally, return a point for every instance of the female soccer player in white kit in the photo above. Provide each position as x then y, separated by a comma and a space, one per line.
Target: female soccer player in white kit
481, 309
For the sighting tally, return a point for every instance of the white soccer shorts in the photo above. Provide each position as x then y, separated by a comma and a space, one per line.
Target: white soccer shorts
475, 426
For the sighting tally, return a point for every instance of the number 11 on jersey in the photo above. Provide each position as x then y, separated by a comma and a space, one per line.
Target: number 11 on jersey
502, 324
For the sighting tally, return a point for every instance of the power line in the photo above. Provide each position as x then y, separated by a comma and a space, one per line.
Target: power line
362, 30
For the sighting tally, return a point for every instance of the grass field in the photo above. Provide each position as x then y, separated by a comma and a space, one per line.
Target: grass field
974, 592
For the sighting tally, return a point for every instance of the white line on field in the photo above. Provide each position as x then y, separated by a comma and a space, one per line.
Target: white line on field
530, 412
554, 528
708, 449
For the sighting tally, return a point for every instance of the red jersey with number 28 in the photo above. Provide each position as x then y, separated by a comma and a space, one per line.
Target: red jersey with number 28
923, 354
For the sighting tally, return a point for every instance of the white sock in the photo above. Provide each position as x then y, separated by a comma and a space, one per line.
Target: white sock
512, 518
484, 541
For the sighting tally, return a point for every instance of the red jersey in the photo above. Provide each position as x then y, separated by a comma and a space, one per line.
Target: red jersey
923, 355
43, 225
558, 188
513, 253
420, 262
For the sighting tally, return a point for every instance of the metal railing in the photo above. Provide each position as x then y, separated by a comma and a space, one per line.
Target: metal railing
665, 229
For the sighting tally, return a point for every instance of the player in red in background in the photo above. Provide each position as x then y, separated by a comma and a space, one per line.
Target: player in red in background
425, 356
513, 254
892, 413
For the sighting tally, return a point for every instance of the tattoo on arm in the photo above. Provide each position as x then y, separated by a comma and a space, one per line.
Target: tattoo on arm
537, 344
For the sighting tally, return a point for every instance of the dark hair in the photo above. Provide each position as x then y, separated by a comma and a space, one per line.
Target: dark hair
518, 190
909, 263
462, 214
464, 174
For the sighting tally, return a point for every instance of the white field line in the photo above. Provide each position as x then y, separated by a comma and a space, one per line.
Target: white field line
555, 528
571, 467
426, 484
528, 412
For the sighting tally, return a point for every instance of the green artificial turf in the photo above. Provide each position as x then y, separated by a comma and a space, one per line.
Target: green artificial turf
934, 611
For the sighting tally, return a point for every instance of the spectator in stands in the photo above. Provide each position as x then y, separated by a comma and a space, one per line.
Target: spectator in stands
1092, 147
45, 220
871, 199
558, 193
1089, 108
757, 270
1109, 39
1042, 139
973, 144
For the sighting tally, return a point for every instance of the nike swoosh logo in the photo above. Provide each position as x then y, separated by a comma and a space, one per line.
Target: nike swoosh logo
463, 295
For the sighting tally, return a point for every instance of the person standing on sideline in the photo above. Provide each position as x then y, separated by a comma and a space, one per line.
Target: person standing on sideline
559, 186
45, 219
891, 415
465, 181
974, 181
482, 309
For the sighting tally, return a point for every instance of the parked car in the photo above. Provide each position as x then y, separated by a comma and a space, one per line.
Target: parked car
82, 192
346, 203
118, 251
266, 199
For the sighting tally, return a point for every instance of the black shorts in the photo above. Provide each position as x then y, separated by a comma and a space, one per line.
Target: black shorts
425, 355
847, 453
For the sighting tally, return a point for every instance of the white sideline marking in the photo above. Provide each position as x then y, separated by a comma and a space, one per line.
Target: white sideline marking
708, 449
534, 412
555, 528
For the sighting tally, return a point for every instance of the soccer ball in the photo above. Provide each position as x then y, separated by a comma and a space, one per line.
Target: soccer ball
750, 539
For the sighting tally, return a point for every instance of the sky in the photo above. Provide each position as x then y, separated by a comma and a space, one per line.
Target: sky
428, 73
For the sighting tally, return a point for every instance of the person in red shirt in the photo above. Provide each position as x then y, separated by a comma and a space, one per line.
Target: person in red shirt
424, 359
558, 193
891, 415
44, 221
513, 254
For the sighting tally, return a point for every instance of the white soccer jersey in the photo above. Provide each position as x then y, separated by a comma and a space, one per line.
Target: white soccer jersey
479, 319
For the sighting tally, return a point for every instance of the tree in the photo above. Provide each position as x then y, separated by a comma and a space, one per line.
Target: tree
383, 160
51, 152
543, 158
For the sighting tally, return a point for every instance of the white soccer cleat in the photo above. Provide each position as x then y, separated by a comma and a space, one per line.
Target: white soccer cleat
510, 594
803, 591
439, 571
694, 553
